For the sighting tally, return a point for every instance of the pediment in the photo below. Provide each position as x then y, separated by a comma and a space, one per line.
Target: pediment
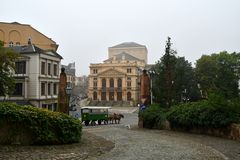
111, 73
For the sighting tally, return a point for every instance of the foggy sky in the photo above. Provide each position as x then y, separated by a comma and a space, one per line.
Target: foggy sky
84, 29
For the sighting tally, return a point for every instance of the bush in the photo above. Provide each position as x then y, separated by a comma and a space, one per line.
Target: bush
39, 125
212, 113
153, 116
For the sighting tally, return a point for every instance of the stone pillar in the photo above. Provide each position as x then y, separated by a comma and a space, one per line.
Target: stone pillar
145, 88
62, 96
145, 95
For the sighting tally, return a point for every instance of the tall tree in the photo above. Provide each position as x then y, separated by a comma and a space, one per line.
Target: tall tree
175, 80
7, 62
219, 74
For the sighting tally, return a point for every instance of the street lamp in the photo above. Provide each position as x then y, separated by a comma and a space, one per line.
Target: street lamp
68, 92
151, 73
139, 71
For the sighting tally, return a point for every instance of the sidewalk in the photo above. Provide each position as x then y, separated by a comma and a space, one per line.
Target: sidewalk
123, 109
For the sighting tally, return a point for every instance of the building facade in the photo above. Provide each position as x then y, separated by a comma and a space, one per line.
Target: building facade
16, 34
37, 69
118, 77
70, 73
37, 77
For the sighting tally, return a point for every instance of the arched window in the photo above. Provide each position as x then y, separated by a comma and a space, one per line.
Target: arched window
119, 96
103, 96
119, 83
103, 83
10, 44
129, 96
111, 83
94, 95
111, 96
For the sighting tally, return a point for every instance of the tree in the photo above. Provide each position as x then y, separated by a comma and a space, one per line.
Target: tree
7, 62
175, 79
219, 74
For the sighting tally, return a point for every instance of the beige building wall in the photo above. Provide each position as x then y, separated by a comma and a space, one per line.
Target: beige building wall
19, 34
127, 71
139, 52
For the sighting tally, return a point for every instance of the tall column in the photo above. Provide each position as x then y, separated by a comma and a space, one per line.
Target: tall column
107, 90
115, 89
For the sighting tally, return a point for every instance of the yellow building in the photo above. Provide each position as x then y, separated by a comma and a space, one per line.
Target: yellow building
117, 78
37, 69
16, 34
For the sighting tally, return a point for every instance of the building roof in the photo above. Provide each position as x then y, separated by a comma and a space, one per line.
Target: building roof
123, 56
27, 25
27, 49
127, 45
30, 48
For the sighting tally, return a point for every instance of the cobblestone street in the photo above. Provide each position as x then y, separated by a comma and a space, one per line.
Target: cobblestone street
135, 144
126, 142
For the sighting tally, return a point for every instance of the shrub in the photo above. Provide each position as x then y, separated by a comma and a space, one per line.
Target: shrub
153, 116
40, 125
205, 114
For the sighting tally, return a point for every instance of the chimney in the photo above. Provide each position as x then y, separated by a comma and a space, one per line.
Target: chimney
29, 41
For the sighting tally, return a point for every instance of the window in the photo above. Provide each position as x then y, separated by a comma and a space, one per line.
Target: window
43, 67
111, 83
95, 71
10, 44
49, 68
103, 83
129, 70
18, 89
94, 95
129, 85
129, 96
55, 68
119, 83
111, 96
44, 106
54, 106
95, 78
103, 96
49, 88
43, 89
55, 88
17, 43
94, 84
20, 67
129, 78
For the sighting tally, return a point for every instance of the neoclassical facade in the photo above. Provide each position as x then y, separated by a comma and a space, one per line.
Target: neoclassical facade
117, 78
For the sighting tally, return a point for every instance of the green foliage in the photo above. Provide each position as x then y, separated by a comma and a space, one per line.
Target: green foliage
153, 116
218, 73
175, 80
213, 113
45, 126
7, 62
216, 112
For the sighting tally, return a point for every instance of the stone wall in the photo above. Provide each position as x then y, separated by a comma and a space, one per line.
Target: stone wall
231, 132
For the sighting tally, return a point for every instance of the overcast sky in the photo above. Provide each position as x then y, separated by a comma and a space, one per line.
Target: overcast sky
84, 29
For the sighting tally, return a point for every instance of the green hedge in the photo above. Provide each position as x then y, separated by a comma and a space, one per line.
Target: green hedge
203, 114
153, 116
42, 126
215, 112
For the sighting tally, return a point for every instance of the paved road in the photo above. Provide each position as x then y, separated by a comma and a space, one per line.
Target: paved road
142, 144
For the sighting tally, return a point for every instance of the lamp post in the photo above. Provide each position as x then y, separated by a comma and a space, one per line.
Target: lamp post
151, 73
139, 70
68, 92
